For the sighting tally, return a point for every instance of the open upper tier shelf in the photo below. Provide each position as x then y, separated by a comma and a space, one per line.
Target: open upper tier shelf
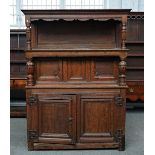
76, 29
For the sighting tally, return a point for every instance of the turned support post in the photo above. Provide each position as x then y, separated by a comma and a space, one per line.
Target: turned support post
28, 34
122, 72
30, 72
124, 29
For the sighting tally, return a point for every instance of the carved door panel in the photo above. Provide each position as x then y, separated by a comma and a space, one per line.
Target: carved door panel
99, 117
56, 118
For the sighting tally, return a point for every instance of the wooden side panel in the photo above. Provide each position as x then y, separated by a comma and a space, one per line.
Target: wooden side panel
141, 29
132, 30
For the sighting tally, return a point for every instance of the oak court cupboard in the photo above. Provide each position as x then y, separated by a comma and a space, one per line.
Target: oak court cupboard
76, 78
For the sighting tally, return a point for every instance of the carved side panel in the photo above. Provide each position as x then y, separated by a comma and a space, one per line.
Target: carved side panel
135, 30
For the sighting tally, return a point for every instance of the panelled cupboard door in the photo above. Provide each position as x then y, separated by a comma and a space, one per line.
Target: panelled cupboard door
98, 118
56, 118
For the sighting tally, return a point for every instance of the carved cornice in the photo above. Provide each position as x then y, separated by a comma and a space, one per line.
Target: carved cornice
81, 15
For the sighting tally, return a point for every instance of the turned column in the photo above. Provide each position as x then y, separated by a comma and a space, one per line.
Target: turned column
30, 72
28, 34
122, 72
124, 29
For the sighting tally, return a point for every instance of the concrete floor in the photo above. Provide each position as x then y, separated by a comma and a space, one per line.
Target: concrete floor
134, 139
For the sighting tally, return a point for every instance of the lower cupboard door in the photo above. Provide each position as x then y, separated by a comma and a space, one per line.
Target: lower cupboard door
99, 117
55, 119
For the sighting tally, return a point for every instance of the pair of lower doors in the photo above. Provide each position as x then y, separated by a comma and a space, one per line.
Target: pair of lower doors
75, 120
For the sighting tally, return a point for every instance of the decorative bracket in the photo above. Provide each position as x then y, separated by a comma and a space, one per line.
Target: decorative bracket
119, 100
32, 100
32, 135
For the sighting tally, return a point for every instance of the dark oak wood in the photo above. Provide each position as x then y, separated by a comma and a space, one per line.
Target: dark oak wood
135, 59
76, 78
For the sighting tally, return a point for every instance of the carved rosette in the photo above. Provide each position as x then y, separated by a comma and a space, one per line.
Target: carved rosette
124, 29
120, 139
28, 34
122, 73
30, 73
